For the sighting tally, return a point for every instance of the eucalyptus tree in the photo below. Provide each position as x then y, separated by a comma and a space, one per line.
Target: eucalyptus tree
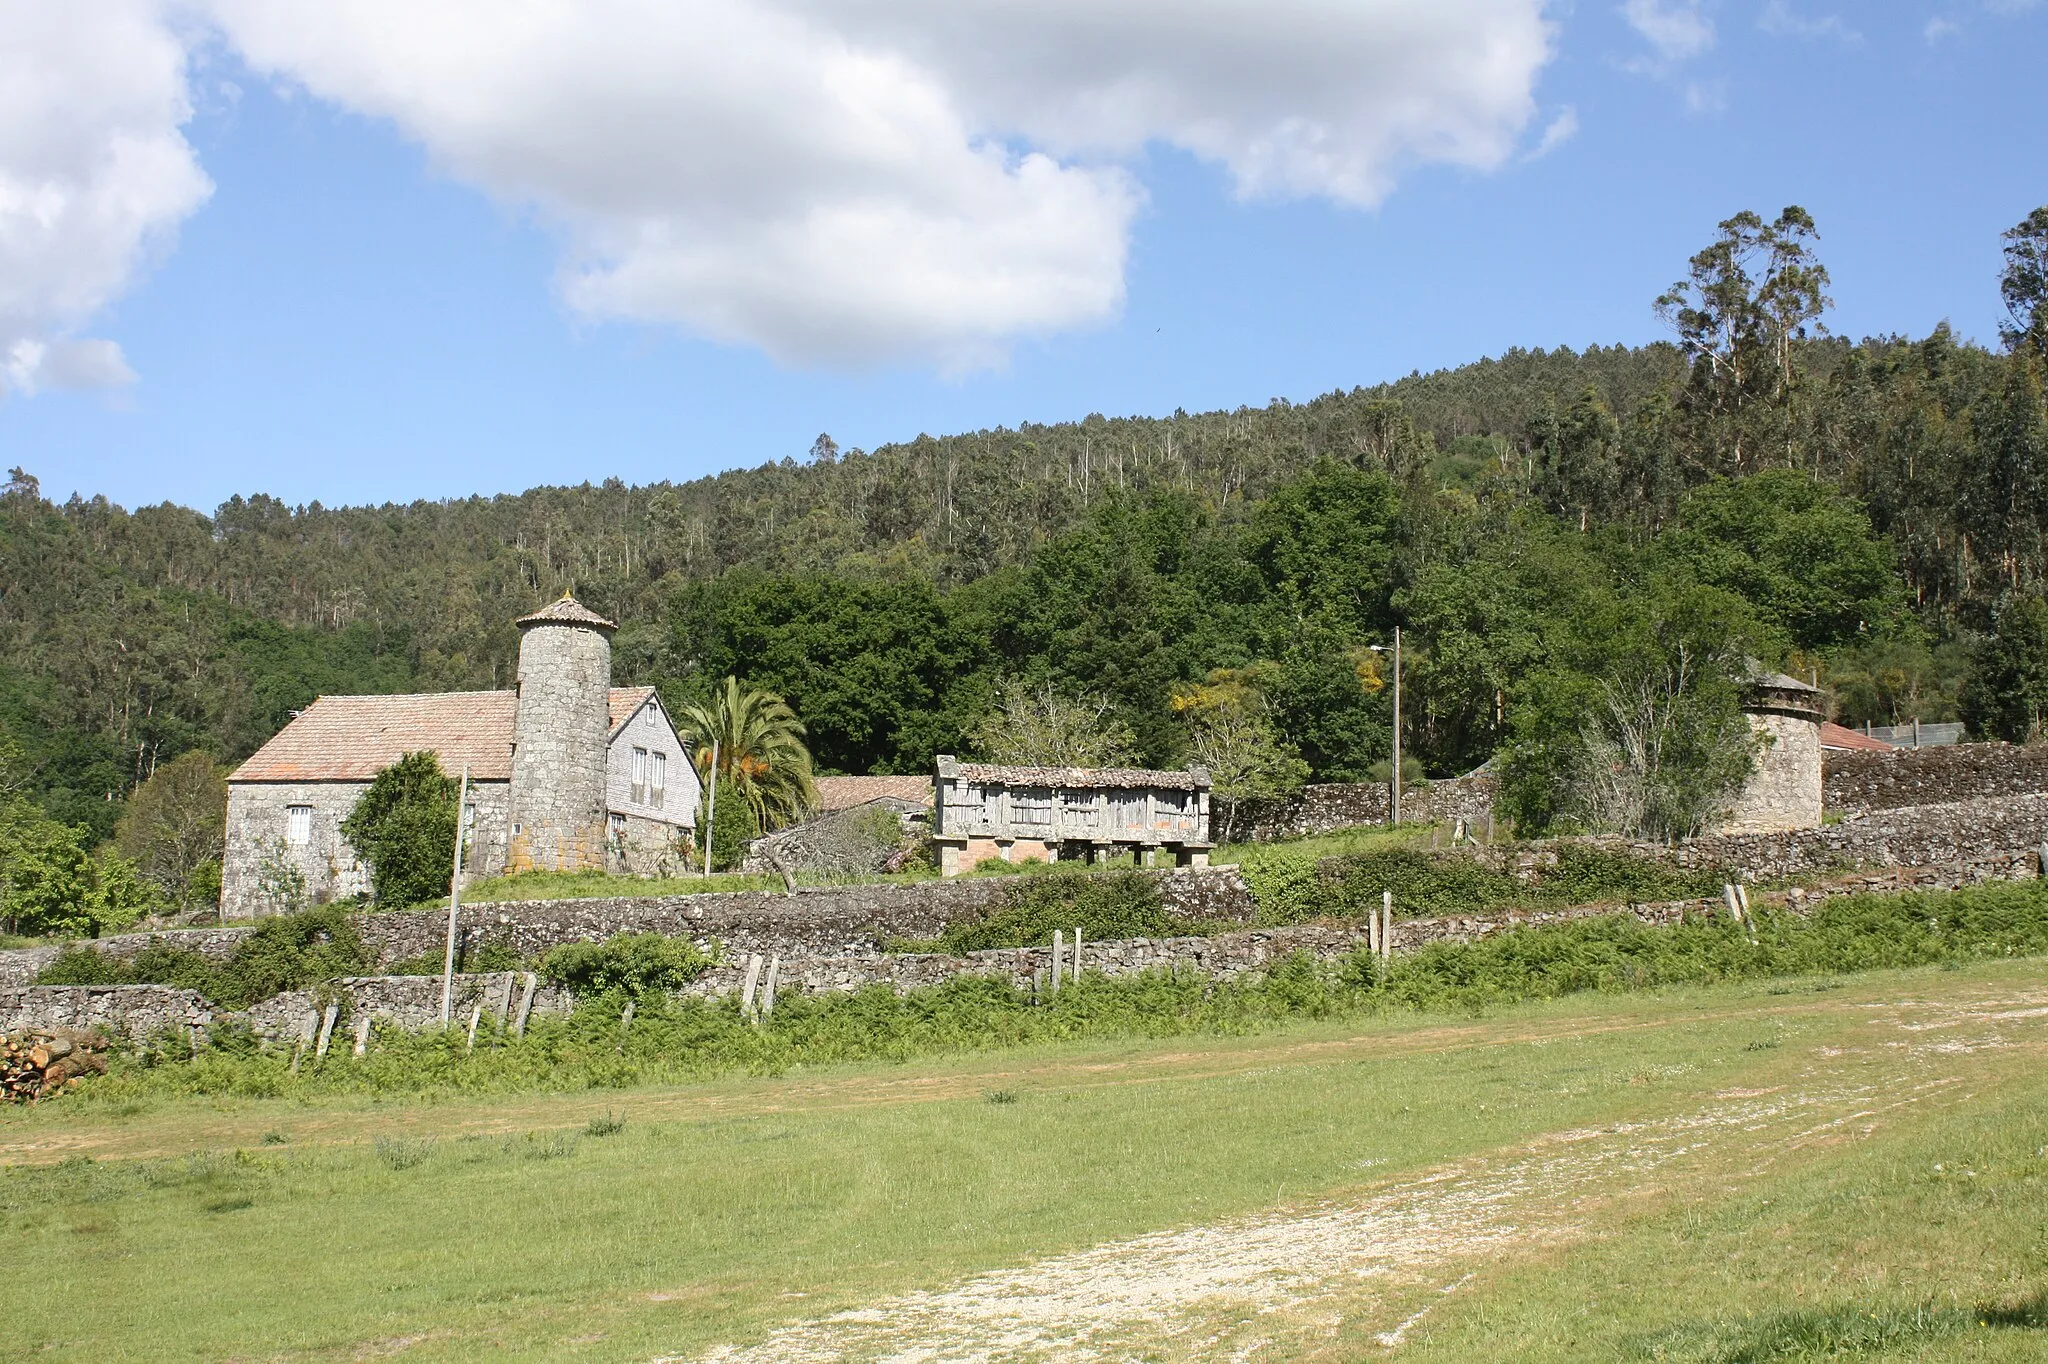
1745, 302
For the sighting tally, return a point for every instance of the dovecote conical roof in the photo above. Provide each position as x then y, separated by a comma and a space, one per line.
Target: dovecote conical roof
567, 611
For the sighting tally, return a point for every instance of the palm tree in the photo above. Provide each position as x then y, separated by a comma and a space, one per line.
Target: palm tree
762, 758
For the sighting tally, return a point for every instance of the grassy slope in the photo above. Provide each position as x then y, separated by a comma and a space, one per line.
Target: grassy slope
719, 1203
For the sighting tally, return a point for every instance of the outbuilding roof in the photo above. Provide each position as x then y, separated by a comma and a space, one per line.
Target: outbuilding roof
1076, 777
352, 738
1833, 735
843, 793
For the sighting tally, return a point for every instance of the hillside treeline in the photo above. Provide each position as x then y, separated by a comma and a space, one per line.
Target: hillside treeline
1866, 513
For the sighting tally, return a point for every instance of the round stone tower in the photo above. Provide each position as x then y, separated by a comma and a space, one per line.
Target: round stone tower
1784, 788
561, 724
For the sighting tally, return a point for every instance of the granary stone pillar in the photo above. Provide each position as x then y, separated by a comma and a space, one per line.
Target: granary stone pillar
1784, 788
560, 729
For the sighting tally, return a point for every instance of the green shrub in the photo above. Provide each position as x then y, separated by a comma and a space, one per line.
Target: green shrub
1102, 904
404, 827
634, 964
285, 953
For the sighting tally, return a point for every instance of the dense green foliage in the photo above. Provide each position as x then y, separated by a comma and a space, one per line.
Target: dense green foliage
404, 827
674, 1038
290, 952
1103, 905
632, 964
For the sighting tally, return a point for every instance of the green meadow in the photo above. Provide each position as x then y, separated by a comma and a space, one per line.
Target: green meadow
634, 1222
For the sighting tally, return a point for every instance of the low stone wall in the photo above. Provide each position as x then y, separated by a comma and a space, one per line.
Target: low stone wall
409, 1002
1322, 809
1975, 840
1861, 780
131, 1011
813, 921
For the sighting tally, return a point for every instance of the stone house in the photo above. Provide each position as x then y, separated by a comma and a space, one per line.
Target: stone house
566, 772
1022, 814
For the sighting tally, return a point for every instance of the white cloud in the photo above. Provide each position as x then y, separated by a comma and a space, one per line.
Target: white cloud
1780, 20
834, 181
876, 179
1560, 130
1675, 29
94, 177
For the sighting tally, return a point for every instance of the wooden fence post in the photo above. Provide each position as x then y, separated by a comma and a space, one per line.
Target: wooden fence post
753, 982
327, 1017
1075, 971
525, 1004
476, 1014
1386, 925
1059, 940
774, 979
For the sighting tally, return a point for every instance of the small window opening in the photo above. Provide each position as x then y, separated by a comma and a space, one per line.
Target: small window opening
298, 825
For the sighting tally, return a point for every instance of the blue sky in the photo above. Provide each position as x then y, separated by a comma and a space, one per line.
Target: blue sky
358, 313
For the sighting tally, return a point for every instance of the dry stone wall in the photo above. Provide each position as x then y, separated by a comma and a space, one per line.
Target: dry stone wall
1325, 808
131, 1011
1865, 781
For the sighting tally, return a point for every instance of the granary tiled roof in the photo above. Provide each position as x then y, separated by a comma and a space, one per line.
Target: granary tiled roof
352, 738
843, 793
567, 611
1071, 777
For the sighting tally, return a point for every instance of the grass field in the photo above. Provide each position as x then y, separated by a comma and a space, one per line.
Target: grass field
1851, 1167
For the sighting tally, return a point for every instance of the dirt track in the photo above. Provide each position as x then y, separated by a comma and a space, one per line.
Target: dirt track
1391, 1252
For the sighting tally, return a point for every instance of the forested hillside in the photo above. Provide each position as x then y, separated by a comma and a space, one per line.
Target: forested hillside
1866, 513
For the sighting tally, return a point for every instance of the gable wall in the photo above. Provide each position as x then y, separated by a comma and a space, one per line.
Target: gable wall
649, 729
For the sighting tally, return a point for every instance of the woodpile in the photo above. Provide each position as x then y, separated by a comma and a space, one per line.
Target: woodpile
38, 1062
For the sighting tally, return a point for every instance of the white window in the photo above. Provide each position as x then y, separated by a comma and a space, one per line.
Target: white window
298, 825
639, 776
657, 778
618, 830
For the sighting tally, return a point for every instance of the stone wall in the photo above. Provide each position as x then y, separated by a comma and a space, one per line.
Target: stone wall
1974, 840
131, 1011
1322, 809
819, 920
1864, 780
409, 1002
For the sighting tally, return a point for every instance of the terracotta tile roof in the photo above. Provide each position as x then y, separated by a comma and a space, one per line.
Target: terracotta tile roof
1833, 735
623, 701
352, 738
843, 793
1082, 776
567, 611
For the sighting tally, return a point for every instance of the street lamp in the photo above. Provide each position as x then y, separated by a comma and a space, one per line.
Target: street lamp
1394, 803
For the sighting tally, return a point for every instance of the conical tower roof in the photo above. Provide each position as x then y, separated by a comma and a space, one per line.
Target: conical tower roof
567, 611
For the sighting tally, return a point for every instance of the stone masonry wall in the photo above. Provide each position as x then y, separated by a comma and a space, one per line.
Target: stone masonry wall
1861, 780
1976, 840
1322, 809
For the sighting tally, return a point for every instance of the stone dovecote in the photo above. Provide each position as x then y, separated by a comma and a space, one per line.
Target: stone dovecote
1784, 788
559, 730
